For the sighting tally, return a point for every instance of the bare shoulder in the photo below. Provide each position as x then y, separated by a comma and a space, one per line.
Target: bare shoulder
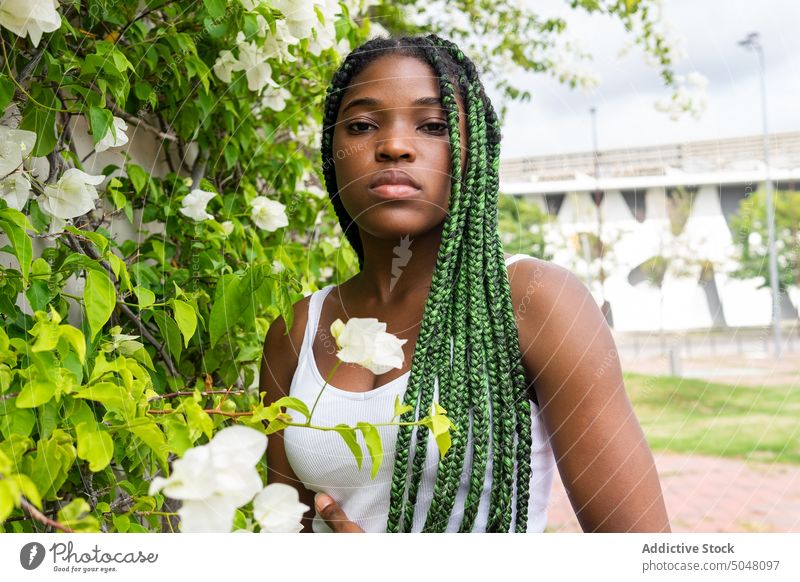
556, 317
282, 350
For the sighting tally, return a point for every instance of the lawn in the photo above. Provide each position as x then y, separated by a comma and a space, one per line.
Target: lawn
687, 415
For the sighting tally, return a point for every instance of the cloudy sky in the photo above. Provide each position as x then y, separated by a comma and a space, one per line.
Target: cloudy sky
557, 118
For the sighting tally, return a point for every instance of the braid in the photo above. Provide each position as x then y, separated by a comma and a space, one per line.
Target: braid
479, 377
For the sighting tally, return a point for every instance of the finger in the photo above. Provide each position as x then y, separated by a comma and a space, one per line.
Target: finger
334, 515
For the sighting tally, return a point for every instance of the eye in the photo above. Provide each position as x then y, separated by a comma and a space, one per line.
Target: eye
438, 127
353, 125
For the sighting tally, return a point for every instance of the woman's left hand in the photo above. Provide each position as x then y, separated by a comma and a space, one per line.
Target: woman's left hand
334, 515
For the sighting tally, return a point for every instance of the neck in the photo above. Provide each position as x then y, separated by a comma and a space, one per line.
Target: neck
397, 269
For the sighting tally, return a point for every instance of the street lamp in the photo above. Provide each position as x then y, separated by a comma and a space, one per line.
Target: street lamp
752, 42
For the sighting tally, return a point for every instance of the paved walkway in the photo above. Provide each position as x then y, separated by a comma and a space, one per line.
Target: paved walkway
711, 494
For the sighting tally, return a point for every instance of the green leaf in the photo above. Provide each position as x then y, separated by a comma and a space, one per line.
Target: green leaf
138, 177
99, 297
226, 309
47, 335
440, 426
349, 435
100, 121
98, 239
121, 522
197, 418
110, 395
152, 436
35, 393
94, 445
400, 408
120, 271
293, 403
373, 439
170, 332
75, 337
144, 296
77, 516
216, 8
6, 92
186, 319
9, 498
21, 243
41, 119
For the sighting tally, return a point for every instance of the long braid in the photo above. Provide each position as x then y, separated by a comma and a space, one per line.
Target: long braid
469, 301
442, 315
445, 489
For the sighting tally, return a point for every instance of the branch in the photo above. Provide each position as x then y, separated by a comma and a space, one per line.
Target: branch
75, 245
41, 517
141, 123
191, 393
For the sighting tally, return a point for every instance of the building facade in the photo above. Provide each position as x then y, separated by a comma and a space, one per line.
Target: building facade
663, 214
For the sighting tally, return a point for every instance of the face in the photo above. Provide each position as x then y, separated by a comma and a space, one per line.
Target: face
391, 118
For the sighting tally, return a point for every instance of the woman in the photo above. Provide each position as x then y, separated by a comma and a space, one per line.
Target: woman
520, 357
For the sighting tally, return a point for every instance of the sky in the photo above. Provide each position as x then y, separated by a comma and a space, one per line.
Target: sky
557, 118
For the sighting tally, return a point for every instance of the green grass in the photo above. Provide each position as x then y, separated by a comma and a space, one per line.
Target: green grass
687, 415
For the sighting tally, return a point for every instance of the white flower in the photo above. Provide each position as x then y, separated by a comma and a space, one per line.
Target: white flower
277, 45
300, 16
214, 479
224, 65
277, 266
30, 17
326, 272
194, 204
73, 195
277, 509
276, 99
364, 341
109, 141
227, 227
268, 214
15, 145
253, 61
324, 37
15, 190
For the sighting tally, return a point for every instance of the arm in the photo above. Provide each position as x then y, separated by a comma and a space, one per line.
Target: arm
278, 364
601, 452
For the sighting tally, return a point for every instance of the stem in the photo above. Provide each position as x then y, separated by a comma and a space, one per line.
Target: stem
310, 414
41, 517
190, 393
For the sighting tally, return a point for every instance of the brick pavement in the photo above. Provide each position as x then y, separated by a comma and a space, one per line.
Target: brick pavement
711, 494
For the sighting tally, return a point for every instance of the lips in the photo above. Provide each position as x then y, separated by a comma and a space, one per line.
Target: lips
394, 184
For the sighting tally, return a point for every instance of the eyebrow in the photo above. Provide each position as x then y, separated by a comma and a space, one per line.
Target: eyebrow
372, 102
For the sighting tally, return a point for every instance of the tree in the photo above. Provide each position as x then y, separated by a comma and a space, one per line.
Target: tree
749, 226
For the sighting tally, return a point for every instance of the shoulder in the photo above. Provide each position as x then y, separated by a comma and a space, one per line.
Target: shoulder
561, 328
281, 350
539, 286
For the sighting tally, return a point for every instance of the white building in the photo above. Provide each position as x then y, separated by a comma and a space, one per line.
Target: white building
638, 188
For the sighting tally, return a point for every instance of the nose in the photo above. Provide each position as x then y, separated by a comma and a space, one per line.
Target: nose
395, 147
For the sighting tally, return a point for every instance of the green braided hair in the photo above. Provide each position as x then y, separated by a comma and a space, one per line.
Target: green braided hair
482, 385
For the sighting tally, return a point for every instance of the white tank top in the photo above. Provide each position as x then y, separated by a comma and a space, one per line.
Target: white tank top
323, 462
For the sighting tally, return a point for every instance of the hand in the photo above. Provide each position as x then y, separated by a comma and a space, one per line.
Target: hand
334, 516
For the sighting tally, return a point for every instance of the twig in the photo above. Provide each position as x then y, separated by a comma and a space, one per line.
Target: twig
141, 123
191, 393
41, 517
75, 245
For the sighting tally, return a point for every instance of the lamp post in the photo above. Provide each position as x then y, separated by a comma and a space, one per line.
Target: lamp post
752, 42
